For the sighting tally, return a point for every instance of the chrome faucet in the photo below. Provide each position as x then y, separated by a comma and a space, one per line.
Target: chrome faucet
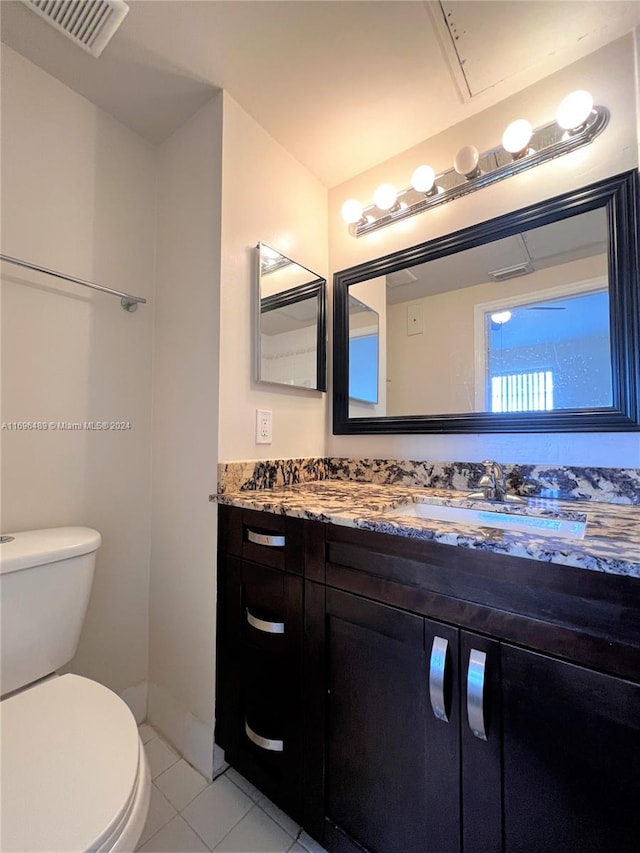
494, 487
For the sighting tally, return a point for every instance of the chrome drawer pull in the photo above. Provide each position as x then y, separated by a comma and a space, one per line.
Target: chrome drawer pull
437, 673
263, 625
475, 693
268, 539
263, 742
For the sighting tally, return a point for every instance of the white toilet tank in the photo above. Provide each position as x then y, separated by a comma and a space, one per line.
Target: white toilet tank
45, 581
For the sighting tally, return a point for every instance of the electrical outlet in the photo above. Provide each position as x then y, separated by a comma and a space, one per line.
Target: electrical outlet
263, 426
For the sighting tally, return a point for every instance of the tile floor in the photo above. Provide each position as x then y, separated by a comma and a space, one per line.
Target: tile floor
187, 814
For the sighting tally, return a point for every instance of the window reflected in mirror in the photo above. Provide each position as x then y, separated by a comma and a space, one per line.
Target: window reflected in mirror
559, 359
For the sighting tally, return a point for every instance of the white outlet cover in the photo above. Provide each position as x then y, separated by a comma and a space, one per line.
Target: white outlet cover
263, 426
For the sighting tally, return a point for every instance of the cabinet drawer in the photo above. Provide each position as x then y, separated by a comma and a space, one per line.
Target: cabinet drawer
271, 609
264, 538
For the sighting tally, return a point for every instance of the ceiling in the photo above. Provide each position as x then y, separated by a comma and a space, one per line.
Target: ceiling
570, 239
341, 85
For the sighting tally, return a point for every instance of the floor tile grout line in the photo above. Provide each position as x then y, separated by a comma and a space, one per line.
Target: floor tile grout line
277, 823
235, 784
220, 840
179, 812
259, 803
253, 805
206, 781
195, 832
195, 797
164, 826
173, 817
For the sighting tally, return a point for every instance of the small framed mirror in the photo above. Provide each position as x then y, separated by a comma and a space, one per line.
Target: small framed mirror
291, 322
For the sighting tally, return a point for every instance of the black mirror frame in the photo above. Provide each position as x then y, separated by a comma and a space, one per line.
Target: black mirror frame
620, 196
312, 290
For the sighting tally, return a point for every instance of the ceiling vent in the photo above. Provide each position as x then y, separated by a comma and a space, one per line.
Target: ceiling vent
511, 272
401, 277
88, 23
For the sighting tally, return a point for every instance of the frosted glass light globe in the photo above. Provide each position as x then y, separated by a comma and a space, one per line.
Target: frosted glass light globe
501, 317
423, 179
517, 136
352, 211
467, 160
574, 110
385, 196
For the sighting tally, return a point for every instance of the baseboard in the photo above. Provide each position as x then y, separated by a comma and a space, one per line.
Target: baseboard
192, 738
136, 698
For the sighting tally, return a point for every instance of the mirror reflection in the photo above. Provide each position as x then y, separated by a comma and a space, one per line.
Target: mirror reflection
521, 324
291, 345
364, 332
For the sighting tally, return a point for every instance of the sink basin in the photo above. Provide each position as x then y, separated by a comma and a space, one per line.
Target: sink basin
554, 525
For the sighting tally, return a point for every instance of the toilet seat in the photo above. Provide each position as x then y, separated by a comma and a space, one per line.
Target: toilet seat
74, 772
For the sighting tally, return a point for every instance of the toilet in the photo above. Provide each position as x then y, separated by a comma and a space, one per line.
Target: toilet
74, 771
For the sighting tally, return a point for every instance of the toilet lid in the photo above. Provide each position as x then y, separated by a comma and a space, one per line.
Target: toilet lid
69, 765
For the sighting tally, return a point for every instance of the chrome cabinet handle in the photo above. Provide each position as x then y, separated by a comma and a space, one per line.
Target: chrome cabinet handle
263, 742
437, 673
268, 539
264, 625
475, 693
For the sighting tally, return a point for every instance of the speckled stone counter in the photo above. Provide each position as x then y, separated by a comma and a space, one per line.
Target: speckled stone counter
611, 543
604, 485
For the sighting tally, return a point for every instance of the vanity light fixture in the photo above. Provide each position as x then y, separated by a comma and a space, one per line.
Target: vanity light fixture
386, 197
352, 211
466, 162
423, 180
574, 110
577, 123
516, 138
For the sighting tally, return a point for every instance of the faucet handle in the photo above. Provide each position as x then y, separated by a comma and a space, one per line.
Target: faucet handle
493, 468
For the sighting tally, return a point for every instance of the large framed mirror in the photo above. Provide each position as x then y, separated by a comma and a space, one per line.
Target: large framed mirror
291, 322
529, 322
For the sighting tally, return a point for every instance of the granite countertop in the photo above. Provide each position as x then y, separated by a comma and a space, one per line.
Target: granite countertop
611, 543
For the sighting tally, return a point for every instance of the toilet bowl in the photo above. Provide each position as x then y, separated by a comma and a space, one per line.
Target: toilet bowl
74, 771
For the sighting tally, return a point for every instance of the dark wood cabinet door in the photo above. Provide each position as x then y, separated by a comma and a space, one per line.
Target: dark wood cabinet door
391, 765
481, 744
571, 757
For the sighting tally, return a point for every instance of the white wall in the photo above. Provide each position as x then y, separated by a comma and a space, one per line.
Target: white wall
78, 195
268, 196
610, 75
291, 357
185, 436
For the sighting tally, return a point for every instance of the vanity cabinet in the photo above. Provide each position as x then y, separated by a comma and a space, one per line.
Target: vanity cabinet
570, 756
391, 767
260, 647
440, 699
